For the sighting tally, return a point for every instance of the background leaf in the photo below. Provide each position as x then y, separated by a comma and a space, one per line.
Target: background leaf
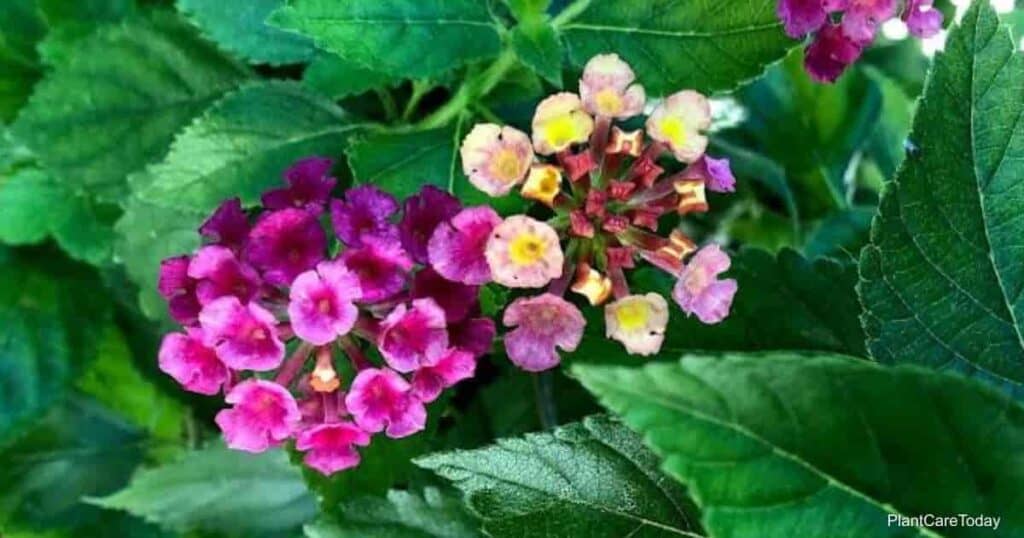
239, 27
402, 515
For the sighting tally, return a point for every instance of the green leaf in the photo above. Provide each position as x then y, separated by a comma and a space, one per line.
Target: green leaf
784, 302
239, 26
537, 45
678, 44
337, 77
401, 163
942, 278
403, 38
841, 234
784, 445
239, 147
116, 105
217, 489
21, 28
528, 10
887, 144
402, 515
53, 314
593, 478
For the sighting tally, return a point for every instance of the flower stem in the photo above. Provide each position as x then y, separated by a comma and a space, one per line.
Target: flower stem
293, 365
543, 390
474, 88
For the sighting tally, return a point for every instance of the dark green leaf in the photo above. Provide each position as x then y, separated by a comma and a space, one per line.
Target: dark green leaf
942, 278
21, 28
888, 142
217, 489
784, 445
537, 44
841, 234
239, 26
337, 77
401, 515
116, 105
593, 478
677, 44
404, 38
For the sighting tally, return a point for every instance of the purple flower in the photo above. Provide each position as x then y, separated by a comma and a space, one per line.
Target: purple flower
457, 247
413, 337
228, 226
801, 17
862, 17
179, 290
219, 273
381, 399
330, 447
243, 335
321, 303
190, 362
716, 174
922, 18
264, 415
473, 335
421, 216
309, 186
455, 298
381, 265
365, 210
541, 324
285, 243
699, 291
831, 53
454, 366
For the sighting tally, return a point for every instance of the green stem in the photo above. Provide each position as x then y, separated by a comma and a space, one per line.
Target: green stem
474, 88
420, 88
544, 391
388, 102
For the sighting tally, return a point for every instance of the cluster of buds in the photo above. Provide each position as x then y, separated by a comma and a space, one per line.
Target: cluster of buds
842, 29
607, 190
277, 316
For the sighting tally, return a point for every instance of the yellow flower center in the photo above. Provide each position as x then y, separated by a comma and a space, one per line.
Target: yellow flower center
561, 131
633, 316
526, 249
674, 130
507, 166
608, 102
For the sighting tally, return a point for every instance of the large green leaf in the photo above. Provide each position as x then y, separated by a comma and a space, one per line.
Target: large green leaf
783, 445
239, 147
21, 28
402, 515
593, 478
115, 106
217, 489
706, 45
404, 38
943, 278
783, 302
537, 44
53, 314
337, 77
239, 26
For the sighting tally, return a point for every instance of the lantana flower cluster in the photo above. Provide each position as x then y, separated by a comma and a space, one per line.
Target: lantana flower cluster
607, 192
321, 340
842, 29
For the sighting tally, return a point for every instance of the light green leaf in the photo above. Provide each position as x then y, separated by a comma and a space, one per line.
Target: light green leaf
403, 38
537, 45
942, 278
337, 77
240, 147
593, 478
402, 515
239, 26
785, 445
217, 489
115, 107
672, 45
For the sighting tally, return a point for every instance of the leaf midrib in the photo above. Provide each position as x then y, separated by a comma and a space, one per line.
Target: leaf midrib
588, 27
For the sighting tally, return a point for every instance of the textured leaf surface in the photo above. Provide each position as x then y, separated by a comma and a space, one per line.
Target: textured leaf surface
337, 77
538, 45
781, 445
239, 26
238, 148
783, 302
117, 105
217, 489
402, 515
943, 282
705, 45
405, 38
593, 478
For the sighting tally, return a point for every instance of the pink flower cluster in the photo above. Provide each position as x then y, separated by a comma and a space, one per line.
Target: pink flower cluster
842, 29
278, 325
607, 190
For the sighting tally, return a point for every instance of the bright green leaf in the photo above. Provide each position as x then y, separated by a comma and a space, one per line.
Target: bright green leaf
217, 489
593, 478
402, 515
337, 77
538, 46
239, 26
679, 44
942, 278
404, 38
786, 445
